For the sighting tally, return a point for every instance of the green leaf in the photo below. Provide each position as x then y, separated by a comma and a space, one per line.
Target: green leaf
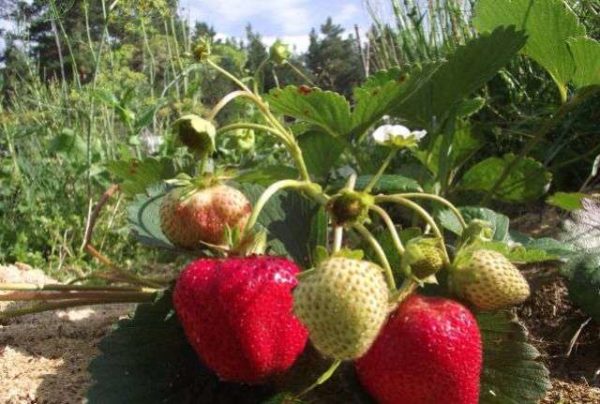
388, 184
267, 175
69, 143
383, 91
464, 145
527, 181
520, 254
548, 24
144, 218
469, 107
567, 201
137, 175
319, 235
465, 71
586, 53
551, 246
328, 110
584, 284
287, 217
147, 359
320, 151
512, 371
499, 222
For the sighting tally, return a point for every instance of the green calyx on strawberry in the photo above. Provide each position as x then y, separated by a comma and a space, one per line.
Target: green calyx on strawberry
487, 279
477, 231
237, 315
196, 215
344, 304
196, 133
422, 258
429, 351
349, 207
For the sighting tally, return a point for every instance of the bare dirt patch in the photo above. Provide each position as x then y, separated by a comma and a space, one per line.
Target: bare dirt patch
44, 357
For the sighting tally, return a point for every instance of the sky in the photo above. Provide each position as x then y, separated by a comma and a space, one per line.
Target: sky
289, 20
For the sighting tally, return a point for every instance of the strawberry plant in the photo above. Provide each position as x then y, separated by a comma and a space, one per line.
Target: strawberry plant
307, 279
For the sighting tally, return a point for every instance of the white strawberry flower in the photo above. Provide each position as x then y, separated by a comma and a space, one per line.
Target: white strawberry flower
397, 136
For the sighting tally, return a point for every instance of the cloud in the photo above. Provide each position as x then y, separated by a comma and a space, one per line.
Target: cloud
288, 17
348, 13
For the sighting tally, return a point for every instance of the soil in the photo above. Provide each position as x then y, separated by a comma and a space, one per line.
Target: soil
44, 357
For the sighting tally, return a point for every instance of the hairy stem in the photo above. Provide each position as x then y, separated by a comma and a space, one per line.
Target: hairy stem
421, 212
322, 379
369, 238
381, 170
439, 199
391, 227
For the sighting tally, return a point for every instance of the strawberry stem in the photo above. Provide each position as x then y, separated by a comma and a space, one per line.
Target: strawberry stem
405, 290
39, 308
312, 189
443, 201
381, 170
391, 227
322, 379
366, 234
421, 212
290, 141
299, 73
224, 101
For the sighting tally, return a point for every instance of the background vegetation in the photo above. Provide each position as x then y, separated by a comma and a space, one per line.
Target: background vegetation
89, 90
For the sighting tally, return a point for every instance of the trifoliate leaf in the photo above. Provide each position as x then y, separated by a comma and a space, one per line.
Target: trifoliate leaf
527, 181
584, 284
512, 371
327, 110
548, 24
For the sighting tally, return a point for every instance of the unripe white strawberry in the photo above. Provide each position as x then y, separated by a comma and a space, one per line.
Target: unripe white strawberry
344, 304
488, 280
204, 215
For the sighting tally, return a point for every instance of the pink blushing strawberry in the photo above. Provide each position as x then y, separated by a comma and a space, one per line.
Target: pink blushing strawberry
203, 215
237, 315
429, 352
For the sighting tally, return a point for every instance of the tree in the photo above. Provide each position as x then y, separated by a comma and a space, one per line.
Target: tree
334, 61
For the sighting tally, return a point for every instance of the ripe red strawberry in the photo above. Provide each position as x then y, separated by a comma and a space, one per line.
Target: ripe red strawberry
203, 216
237, 315
429, 352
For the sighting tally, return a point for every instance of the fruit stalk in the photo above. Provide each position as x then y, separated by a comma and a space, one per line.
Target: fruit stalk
421, 212
65, 304
381, 170
443, 201
391, 227
366, 234
312, 189
290, 142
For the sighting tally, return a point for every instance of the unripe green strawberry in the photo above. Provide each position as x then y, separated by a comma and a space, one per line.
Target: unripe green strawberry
344, 304
488, 280
422, 258
204, 215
